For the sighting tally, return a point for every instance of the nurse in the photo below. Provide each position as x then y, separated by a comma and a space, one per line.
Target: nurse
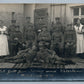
4, 50
79, 38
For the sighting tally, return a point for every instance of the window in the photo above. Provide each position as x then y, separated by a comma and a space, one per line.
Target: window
78, 12
82, 10
75, 20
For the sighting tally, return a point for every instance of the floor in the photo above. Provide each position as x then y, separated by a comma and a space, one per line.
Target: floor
79, 64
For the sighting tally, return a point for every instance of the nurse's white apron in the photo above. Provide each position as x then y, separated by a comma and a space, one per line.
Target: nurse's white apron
80, 39
3, 42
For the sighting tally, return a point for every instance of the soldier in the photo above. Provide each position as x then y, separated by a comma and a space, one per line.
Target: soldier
69, 41
57, 43
58, 25
45, 55
28, 22
14, 33
11, 31
44, 36
29, 32
57, 37
23, 56
18, 33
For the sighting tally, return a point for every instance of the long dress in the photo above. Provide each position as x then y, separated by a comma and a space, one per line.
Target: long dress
79, 39
4, 50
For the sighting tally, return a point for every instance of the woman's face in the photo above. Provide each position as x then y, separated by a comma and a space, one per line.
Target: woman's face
78, 21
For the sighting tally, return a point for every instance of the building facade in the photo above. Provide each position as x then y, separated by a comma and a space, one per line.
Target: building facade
67, 12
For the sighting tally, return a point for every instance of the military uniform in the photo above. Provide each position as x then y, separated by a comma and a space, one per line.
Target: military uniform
18, 33
57, 26
57, 42
29, 33
47, 56
14, 33
23, 56
45, 37
11, 32
57, 37
69, 41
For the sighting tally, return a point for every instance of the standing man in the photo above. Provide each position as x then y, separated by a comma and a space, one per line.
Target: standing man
12, 29
79, 38
29, 32
12, 42
57, 37
58, 25
69, 41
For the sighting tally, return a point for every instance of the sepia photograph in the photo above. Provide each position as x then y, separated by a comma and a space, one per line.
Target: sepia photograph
42, 42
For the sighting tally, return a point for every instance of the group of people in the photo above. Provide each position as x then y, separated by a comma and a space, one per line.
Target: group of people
12, 40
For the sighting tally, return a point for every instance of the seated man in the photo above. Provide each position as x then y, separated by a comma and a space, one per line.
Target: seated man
44, 55
26, 55
44, 36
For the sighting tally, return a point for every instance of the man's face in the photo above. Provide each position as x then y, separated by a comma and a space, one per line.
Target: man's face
69, 26
57, 20
41, 48
1, 22
44, 29
13, 23
33, 47
28, 20
17, 29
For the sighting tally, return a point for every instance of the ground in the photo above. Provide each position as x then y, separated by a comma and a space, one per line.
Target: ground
79, 64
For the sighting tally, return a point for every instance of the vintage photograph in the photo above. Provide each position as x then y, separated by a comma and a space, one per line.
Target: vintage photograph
41, 42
